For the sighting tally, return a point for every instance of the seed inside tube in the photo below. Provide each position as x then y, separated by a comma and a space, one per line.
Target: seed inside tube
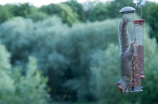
140, 52
136, 72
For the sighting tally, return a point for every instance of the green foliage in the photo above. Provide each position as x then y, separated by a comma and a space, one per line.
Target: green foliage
84, 40
31, 39
18, 89
105, 69
20, 9
151, 16
18, 34
30, 88
38, 16
9, 11
6, 81
4, 14
64, 11
77, 8
25, 35
4, 60
61, 51
97, 12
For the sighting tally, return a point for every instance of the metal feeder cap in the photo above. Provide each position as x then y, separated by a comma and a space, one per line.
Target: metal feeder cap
127, 9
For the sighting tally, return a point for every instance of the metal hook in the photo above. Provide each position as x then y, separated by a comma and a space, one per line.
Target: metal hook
138, 4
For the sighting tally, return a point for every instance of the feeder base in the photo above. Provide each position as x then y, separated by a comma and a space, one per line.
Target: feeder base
137, 89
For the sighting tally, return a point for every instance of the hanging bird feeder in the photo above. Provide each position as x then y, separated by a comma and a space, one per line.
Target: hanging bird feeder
128, 12
137, 64
138, 58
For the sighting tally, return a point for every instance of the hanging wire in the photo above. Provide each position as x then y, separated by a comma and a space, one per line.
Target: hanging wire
141, 12
139, 6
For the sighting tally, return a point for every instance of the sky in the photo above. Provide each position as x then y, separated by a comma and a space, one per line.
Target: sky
39, 3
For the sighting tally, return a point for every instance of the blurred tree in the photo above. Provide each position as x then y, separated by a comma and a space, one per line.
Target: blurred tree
18, 89
97, 12
38, 16
64, 11
151, 16
61, 52
30, 88
77, 8
4, 14
20, 9
105, 68
82, 41
6, 82
12, 10
31, 39
19, 31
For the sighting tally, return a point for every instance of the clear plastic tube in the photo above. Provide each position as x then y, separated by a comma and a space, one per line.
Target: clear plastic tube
138, 58
139, 34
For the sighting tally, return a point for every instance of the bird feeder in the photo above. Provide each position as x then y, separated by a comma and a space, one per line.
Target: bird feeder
138, 58
128, 12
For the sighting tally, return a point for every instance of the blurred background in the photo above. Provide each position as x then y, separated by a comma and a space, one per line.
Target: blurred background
67, 52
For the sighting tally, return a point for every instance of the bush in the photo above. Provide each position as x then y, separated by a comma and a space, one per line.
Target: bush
63, 53
18, 89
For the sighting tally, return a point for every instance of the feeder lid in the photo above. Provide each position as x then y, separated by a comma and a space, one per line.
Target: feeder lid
140, 21
127, 9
